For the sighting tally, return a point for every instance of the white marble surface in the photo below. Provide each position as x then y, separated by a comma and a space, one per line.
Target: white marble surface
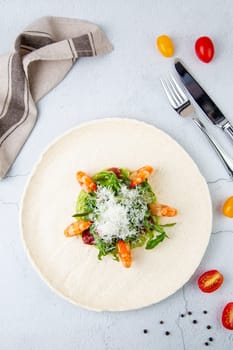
123, 83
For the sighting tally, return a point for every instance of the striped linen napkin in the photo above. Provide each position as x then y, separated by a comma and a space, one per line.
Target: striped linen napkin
43, 54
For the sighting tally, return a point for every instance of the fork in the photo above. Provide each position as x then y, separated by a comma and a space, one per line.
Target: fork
182, 105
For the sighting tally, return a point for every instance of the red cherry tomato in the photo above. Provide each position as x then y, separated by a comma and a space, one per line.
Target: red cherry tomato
88, 237
204, 48
210, 281
227, 316
116, 171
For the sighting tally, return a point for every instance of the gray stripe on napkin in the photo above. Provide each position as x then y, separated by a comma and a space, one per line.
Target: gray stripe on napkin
16, 106
36, 41
32, 41
22, 120
83, 46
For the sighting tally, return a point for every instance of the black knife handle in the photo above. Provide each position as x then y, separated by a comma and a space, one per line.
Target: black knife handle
200, 96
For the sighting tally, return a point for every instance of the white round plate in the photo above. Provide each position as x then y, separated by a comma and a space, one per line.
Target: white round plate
70, 267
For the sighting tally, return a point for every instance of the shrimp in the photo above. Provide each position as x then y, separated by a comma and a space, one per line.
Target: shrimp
140, 175
124, 253
162, 210
76, 228
86, 182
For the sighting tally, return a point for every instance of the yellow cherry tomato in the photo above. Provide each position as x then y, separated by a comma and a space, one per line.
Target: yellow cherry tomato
227, 208
165, 45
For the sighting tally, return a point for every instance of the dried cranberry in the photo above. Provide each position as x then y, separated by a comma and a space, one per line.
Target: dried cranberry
88, 237
116, 171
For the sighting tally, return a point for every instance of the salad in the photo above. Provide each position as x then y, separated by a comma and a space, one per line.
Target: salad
117, 211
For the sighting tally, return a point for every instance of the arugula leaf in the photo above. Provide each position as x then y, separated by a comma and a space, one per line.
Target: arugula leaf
147, 192
139, 241
115, 254
152, 243
77, 215
150, 235
169, 225
155, 219
107, 179
158, 228
100, 244
125, 173
86, 202
103, 247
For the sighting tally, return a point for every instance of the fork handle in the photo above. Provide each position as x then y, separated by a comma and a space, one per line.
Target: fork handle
225, 159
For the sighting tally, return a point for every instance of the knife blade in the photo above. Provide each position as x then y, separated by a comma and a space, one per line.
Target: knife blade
203, 100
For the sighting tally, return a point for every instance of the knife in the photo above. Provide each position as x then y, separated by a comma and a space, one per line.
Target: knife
203, 100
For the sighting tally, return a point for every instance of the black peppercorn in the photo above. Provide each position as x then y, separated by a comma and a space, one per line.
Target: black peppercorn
167, 333
161, 322
205, 312
189, 313
211, 339
208, 327
182, 315
194, 321
206, 343
145, 331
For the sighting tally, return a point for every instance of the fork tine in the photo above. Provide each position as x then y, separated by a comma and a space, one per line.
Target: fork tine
169, 92
174, 91
179, 89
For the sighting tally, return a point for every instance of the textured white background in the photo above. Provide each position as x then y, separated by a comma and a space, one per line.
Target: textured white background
123, 83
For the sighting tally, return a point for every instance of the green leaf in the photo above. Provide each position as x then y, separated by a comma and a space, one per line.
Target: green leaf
115, 254
159, 229
85, 202
168, 225
100, 255
125, 173
77, 215
139, 241
107, 179
150, 235
154, 242
147, 192
155, 219
103, 247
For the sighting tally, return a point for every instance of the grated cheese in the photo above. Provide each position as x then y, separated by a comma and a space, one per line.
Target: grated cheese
118, 216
